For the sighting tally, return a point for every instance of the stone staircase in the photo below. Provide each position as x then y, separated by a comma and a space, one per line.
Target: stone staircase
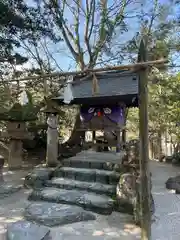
80, 189
87, 182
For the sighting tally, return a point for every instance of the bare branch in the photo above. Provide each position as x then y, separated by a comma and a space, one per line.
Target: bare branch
77, 39
104, 34
49, 54
87, 35
58, 16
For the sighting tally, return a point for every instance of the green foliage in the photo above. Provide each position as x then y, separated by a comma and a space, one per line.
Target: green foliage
19, 22
20, 113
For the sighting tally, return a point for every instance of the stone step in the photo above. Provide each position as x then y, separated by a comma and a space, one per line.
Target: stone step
101, 204
88, 175
53, 214
70, 184
92, 164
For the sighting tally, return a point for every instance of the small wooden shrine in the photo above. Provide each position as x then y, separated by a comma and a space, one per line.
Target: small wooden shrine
16, 119
104, 99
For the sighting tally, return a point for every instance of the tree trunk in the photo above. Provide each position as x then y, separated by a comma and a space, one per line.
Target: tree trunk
76, 136
124, 136
171, 145
176, 149
166, 143
151, 148
160, 151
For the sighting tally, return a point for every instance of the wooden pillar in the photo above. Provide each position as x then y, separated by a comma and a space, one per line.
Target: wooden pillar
94, 140
93, 136
52, 141
120, 133
118, 144
124, 135
124, 130
144, 152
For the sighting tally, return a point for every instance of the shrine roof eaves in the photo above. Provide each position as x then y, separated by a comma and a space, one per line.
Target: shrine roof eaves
114, 86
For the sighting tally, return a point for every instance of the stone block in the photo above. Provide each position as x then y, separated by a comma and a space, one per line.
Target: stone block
24, 230
37, 178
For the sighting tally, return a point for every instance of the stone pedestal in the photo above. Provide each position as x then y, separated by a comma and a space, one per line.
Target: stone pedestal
52, 141
15, 154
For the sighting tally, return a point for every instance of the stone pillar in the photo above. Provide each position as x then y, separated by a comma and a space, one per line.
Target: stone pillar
52, 141
1, 169
15, 154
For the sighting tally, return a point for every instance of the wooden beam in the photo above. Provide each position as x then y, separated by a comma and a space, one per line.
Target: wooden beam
144, 149
135, 67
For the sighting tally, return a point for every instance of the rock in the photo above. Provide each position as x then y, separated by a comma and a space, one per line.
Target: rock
52, 214
132, 152
24, 230
8, 188
178, 190
89, 201
168, 159
173, 183
128, 196
126, 192
175, 161
37, 177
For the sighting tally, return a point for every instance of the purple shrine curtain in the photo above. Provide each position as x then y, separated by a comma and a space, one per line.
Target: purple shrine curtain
113, 113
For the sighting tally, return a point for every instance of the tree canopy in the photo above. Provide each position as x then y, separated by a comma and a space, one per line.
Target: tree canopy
41, 36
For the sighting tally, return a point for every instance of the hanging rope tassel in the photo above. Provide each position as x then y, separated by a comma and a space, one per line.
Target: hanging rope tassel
95, 86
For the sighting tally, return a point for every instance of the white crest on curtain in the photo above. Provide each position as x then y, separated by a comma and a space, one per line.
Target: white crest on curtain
23, 99
68, 93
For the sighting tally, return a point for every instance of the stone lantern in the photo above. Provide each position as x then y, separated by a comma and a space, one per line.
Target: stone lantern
52, 134
16, 119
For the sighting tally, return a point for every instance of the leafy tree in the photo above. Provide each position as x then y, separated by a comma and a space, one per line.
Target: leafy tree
159, 30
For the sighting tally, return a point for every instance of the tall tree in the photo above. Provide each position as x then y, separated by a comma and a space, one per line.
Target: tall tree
87, 29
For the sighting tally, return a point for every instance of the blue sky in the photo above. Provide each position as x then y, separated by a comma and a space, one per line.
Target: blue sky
63, 58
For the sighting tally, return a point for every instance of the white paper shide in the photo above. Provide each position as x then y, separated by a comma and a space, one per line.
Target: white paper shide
68, 93
23, 99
